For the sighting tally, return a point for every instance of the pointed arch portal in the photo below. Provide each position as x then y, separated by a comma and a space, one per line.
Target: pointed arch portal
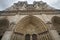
32, 26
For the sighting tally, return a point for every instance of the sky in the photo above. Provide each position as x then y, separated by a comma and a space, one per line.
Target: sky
7, 3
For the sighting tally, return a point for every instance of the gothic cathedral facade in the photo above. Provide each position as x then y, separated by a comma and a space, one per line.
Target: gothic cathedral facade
23, 21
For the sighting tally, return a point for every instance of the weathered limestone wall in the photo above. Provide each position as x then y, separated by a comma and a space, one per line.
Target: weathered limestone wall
7, 35
16, 18
54, 35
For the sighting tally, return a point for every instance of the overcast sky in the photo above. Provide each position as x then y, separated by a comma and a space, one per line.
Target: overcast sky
7, 3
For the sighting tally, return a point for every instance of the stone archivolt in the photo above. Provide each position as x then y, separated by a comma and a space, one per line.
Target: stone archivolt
31, 25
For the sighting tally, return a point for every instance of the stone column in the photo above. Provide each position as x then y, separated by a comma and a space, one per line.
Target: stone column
54, 35
7, 35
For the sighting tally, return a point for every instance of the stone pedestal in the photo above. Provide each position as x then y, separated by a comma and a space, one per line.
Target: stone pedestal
7, 35
54, 35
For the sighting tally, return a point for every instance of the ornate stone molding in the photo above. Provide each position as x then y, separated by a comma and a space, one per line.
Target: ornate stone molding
25, 6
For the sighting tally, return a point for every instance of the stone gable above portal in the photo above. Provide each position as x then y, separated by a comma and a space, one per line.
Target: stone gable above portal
35, 6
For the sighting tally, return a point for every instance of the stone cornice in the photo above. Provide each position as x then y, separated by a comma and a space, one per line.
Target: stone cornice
30, 11
27, 12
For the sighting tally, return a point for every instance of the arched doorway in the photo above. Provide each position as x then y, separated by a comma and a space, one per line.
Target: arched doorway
32, 25
34, 37
27, 37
